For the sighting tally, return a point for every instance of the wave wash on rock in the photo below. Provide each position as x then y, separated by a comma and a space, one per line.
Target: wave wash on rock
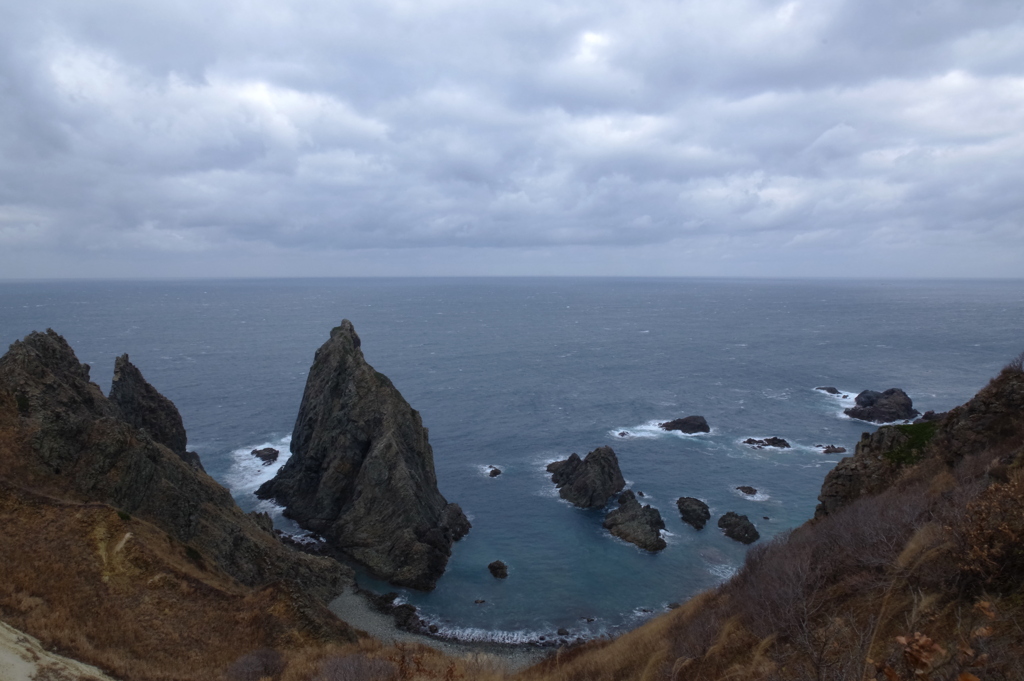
361, 472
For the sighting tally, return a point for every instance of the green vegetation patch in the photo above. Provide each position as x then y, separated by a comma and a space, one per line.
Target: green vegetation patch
918, 436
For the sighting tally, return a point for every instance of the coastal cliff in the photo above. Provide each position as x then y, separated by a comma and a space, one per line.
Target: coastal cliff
361, 473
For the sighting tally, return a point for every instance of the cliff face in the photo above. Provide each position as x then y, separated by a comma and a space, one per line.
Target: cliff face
63, 438
361, 472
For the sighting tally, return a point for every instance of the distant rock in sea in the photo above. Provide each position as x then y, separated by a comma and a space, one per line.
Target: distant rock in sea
828, 389
636, 524
688, 425
140, 405
747, 489
885, 407
831, 449
494, 472
361, 472
693, 511
739, 527
499, 569
267, 455
776, 442
588, 482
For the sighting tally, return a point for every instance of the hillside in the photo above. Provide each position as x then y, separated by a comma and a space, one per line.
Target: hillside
120, 553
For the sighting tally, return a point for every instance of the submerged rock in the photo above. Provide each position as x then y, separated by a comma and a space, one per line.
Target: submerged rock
636, 524
589, 482
739, 527
267, 455
885, 407
498, 569
688, 424
777, 442
693, 511
361, 472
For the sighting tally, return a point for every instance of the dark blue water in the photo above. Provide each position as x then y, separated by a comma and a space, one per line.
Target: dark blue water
517, 373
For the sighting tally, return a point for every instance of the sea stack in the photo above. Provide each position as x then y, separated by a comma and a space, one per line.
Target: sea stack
141, 405
361, 473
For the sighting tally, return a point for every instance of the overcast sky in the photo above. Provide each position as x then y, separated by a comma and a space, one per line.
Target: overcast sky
393, 137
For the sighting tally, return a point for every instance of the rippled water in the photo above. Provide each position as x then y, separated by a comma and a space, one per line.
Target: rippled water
516, 373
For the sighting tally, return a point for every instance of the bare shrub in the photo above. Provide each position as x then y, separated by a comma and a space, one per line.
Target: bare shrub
356, 668
1015, 365
256, 665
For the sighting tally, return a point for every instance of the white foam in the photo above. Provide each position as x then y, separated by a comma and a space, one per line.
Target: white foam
247, 472
651, 430
723, 571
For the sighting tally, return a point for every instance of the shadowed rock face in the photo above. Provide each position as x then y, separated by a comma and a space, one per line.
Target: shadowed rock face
636, 524
688, 424
73, 442
361, 472
140, 405
588, 482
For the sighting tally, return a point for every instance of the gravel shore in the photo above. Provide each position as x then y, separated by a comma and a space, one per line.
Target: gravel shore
354, 609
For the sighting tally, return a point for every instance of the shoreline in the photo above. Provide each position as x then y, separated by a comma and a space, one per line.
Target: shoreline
356, 609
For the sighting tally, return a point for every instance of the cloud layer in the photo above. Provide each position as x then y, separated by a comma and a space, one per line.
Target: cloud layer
464, 137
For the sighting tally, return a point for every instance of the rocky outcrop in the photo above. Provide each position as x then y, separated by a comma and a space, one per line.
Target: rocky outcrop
688, 425
739, 527
499, 569
828, 389
929, 416
693, 511
747, 489
831, 449
141, 405
885, 407
875, 464
636, 524
267, 455
588, 482
776, 442
494, 472
361, 473
64, 438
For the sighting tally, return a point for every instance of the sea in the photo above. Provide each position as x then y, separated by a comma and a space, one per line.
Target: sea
516, 373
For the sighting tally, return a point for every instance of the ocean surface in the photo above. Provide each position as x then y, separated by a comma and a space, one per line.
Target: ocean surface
516, 373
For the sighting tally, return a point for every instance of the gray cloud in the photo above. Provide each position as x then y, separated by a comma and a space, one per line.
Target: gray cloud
449, 136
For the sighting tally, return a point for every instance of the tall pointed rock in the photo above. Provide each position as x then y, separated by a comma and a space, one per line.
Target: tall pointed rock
142, 406
361, 472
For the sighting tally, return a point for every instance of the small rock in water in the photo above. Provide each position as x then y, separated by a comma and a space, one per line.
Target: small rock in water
498, 569
832, 449
563, 632
267, 455
828, 389
767, 442
623, 434
673, 606
766, 517
747, 489
479, 601
433, 628
738, 527
693, 511
640, 494
688, 425
495, 472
